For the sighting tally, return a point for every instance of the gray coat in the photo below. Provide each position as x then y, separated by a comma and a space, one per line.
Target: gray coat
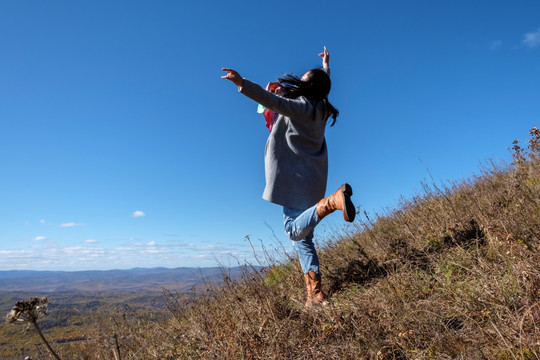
296, 157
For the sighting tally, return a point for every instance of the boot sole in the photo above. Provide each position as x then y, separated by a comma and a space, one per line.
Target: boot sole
349, 212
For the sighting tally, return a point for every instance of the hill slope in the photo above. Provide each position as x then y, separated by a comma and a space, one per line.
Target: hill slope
450, 274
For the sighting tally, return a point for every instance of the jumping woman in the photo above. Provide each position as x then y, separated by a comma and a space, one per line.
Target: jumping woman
296, 160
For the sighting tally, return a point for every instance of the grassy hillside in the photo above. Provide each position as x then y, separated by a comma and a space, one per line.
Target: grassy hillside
453, 273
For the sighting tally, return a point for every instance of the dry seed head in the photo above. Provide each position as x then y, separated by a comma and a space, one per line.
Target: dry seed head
28, 311
534, 141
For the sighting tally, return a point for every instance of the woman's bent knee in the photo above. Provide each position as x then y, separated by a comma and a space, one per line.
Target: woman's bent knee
294, 235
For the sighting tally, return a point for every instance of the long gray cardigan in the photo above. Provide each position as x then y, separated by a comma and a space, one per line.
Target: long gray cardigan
296, 157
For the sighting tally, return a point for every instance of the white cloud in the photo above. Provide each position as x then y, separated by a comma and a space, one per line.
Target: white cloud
71, 224
42, 221
82, 251
138, 213
13, 252
207, 248
151, 251
91, 254
495, 44
532, 39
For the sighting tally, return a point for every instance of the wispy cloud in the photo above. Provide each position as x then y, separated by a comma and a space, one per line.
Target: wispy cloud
82, 251
102, 255
138, 213
495, 44
70, 224
532, 39
152, 251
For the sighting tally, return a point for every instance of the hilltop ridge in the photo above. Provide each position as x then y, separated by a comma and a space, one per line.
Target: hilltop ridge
136, 279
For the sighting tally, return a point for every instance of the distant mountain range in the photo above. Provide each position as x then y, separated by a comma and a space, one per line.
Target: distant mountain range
138, 279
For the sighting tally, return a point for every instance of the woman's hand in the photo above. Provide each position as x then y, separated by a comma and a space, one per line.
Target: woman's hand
325, 58
233, 76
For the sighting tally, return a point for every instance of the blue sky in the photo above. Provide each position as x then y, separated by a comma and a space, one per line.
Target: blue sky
120, 146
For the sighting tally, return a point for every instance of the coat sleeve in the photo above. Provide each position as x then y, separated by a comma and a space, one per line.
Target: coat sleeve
292, 108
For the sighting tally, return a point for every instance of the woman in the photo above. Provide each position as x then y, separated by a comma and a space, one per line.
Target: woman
296, 160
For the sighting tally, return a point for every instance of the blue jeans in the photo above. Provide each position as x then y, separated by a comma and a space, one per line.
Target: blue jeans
299, 225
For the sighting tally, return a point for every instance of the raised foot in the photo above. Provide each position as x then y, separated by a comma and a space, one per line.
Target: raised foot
349, 211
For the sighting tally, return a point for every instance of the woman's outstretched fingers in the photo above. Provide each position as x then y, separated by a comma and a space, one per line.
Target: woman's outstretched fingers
233, 76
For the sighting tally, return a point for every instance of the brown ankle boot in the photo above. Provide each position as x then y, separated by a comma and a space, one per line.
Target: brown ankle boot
313, 283
340, 200
309, 288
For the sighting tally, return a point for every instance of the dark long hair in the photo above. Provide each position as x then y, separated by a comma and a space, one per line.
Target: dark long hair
315, 88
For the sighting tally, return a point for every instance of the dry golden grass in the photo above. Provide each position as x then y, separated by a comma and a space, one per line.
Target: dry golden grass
450, 274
